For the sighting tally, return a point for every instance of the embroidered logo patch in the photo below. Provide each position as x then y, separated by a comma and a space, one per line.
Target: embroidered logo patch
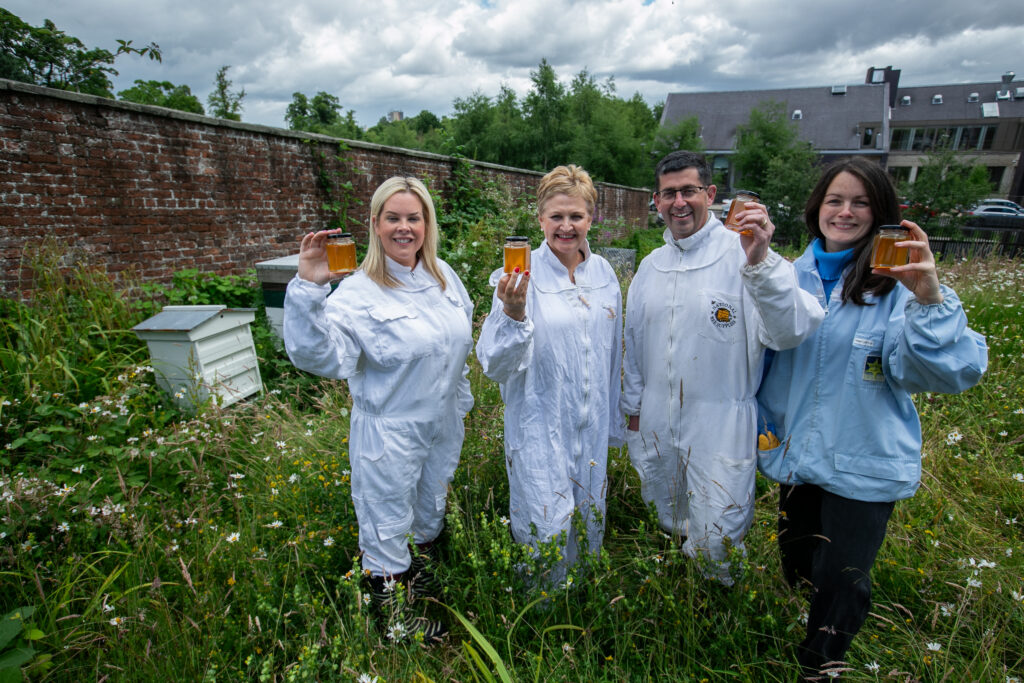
873, 369
723, 314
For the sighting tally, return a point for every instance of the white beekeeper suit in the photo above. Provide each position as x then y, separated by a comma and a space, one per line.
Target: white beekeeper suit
698, 321
560, 376
403, 351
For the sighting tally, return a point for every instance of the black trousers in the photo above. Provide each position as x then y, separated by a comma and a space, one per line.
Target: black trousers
828, 543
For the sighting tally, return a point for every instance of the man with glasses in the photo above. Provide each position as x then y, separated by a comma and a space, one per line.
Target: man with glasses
700, 313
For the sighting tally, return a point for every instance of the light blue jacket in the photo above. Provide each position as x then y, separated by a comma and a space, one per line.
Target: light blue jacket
840, 403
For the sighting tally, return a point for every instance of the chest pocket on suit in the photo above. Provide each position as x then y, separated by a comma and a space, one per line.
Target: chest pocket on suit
865, 367
719, 317
401, 334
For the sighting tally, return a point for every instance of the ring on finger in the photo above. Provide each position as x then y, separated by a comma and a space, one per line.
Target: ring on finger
764, 221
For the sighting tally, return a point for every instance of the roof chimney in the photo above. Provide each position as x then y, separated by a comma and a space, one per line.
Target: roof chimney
1008, 77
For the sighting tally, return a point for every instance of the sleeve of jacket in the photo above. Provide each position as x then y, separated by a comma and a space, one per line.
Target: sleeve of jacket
318, 333
505, 346
465, 394
931, 348
616, 426
632, 367
787, 313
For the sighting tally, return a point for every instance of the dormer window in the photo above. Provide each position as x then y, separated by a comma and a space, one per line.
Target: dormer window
905, 101
797, 114
973, 97
936, 99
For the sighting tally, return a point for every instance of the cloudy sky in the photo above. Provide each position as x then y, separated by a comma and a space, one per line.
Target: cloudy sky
383, 55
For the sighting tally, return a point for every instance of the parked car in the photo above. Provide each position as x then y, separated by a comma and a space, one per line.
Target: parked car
995, 201
992, 210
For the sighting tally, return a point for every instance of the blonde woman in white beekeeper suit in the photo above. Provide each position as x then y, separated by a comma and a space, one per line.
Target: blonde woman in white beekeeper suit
399, 330
553, 340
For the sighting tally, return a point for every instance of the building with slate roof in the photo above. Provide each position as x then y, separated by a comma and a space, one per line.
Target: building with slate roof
879, 119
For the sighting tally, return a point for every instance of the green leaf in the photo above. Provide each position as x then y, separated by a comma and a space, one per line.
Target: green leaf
11, 662
34, 634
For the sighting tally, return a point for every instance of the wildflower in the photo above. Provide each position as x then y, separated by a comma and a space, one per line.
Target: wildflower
366, 678
116, 621
1004, 433
237, 476
108, 608
954, 437
389, 585
276, 524
933, 647
231, 580
973, 583
873, 666
397, 632
567, 648
1018, 477
232, 537
946, 609
281, 445
275, 391
78, 469
1019, 411
294, 479
593, 463
26, 546
328, 542
504, 521
63, 527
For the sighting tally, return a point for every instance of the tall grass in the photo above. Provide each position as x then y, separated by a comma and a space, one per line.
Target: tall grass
223, 546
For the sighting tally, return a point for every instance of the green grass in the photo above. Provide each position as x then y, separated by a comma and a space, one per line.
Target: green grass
223, 546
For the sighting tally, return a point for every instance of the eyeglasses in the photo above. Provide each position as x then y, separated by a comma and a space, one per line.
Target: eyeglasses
688, 192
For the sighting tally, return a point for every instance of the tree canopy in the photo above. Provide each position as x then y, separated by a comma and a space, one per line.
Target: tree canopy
162, 94
45, 55
771, 160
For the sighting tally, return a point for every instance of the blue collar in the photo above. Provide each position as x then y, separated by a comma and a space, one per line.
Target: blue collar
831, 264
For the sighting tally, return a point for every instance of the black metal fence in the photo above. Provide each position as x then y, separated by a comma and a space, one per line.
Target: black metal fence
982, 236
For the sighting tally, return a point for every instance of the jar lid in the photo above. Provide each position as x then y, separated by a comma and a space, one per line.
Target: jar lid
892, 227
737, 193
517, 238
339, 235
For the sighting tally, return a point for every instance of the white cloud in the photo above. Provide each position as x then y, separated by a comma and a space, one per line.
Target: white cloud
395, 54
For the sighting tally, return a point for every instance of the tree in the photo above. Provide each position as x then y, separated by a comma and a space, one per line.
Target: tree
946, 187
545, 113
771, 160
223, 103
49, 57
162, 94
684, 134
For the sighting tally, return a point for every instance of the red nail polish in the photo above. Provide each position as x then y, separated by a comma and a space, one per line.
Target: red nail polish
516, 270
526, 273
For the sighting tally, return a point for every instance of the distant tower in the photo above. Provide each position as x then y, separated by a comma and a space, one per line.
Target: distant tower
395, 116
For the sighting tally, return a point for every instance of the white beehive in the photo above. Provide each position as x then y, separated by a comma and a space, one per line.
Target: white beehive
202, 351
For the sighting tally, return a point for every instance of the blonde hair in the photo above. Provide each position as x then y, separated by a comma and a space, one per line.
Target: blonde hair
569, 180
375, 264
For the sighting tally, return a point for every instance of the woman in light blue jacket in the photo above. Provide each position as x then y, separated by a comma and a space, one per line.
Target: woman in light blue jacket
839, 429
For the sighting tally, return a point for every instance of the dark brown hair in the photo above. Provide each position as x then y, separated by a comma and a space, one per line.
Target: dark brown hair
885, 210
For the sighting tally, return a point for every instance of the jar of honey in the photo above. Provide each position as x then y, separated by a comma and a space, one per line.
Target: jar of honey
341, 253
884, 252
517, 254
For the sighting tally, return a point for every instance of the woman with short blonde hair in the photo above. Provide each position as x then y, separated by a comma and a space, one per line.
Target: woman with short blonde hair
553, 340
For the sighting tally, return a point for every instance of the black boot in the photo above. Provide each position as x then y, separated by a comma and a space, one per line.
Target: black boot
397, 617
423, 583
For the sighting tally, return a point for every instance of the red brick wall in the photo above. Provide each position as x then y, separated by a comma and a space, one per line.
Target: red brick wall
130, 185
